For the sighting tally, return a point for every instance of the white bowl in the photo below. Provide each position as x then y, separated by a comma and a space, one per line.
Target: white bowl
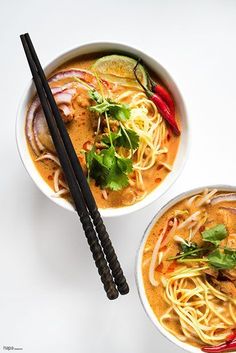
89, 49
139, 277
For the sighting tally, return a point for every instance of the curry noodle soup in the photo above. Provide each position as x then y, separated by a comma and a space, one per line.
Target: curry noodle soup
189, 269
125, 145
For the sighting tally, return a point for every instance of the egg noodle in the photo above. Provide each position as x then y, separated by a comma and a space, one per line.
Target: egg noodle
148, 124
205, 314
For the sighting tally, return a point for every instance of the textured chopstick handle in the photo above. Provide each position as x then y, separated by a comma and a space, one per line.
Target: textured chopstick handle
95, 247
98, 256
110, 253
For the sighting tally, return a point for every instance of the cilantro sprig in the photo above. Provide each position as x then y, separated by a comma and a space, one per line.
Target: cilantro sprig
107, 167
221, 258
123, 138
117, 111
215, 235
189, 250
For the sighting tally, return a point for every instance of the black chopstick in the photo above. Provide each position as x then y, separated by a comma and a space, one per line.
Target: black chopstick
77, 196
85, 189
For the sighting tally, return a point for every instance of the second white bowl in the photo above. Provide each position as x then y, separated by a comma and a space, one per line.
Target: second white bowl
139, 276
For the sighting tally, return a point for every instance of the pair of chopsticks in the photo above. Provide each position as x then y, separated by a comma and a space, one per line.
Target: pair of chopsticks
98, 239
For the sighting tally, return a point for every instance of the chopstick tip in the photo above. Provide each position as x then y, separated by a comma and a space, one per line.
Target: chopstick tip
112, 294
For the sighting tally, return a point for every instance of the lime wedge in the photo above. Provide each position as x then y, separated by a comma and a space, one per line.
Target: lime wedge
119, 69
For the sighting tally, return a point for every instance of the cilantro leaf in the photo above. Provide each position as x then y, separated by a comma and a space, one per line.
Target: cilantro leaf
125, 164
113, 135
120, 139
96, 167
94, 95
117, 179
219, 258
108, 156
230, 251
108, 169
100, 108
123, 141
188, 249
215, 235
119, 112
222, 260
89, 157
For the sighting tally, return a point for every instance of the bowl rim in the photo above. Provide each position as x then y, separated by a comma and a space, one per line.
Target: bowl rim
68, 54
138, 262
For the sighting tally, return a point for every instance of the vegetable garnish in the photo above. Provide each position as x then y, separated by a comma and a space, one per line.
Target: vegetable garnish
108, 169
188, 247
163, 93
120, 138
94, 95
217, 257
231, 336
164, 109
228, 346
117, 111
215, 235
222, 260
119, 69
188, 250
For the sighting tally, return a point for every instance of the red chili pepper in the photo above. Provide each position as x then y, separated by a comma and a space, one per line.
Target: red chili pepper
231, 337
163, 93
165, 111
224, 347
160, 104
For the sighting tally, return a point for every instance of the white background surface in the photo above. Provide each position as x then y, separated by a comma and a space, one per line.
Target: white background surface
51, 298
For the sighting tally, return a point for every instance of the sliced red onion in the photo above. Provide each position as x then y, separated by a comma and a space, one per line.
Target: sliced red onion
36, 125
63, 96
223, 198
29, 121
71, 91
68, 85
56, 180
41, 133
49, 156
66, 110
230, 209
29, 125
83, 75
38, 120
65, 186
74, 85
